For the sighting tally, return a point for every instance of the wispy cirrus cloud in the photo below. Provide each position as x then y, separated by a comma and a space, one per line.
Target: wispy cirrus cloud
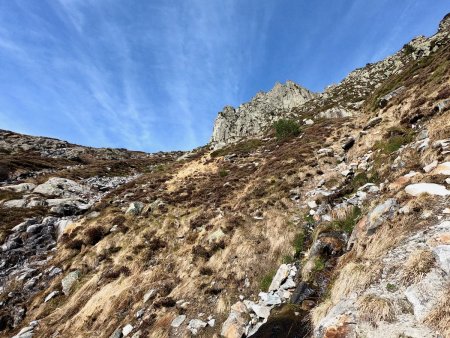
152, 75
151, 83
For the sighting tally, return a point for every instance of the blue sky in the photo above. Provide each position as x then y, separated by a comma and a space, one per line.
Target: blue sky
152, 74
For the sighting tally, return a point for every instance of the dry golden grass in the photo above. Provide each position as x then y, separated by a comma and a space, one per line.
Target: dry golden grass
380, 243
438, 127
421, 202
341, 213
162, 326
354, 277
439, 317
320, 311
374, 309
417, 266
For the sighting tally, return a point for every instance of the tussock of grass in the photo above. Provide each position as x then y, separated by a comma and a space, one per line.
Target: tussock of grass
348, 222
267, 280
417, 266
320, 311
299, 243
374, 309
354, 277
439, 317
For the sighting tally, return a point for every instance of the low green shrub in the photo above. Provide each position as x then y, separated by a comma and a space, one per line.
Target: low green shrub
396, 138
319, 264
299, 244
408, 49
223, 173
285, 129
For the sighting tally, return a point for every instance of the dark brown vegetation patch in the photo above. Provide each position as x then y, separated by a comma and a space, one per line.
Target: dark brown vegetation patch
116, 272
94, 234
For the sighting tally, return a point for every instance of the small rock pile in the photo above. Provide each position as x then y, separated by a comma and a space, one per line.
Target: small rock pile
280, 291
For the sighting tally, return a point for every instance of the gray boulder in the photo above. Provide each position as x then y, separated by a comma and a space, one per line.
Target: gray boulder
372, 123
385, 99
68, 281
60, 187
135, 208
178, 321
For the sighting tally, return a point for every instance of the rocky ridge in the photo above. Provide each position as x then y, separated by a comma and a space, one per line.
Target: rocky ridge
341, 100
254, 117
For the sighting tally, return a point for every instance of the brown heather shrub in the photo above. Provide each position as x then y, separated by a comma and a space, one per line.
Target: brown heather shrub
156, 244
116, 272
200, 251
216, 246
418, 102
95, 234
200, 220
444, 93
234, 222
206, 271
164, 302
4, 172
74, 244
118, 220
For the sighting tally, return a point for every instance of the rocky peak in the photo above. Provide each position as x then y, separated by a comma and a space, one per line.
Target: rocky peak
444, 25
253, 117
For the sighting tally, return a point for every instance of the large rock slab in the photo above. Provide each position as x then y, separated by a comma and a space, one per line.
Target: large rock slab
60, 187
280, 276
235, 325
442, 169
427, 188
427, 293
21, 187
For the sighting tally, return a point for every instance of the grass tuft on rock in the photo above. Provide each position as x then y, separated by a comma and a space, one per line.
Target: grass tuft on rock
373, 309
267, 280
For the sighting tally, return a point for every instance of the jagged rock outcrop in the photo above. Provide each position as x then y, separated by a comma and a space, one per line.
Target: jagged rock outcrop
254, 117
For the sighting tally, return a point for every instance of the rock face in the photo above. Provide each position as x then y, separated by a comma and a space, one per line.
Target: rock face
252, 118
